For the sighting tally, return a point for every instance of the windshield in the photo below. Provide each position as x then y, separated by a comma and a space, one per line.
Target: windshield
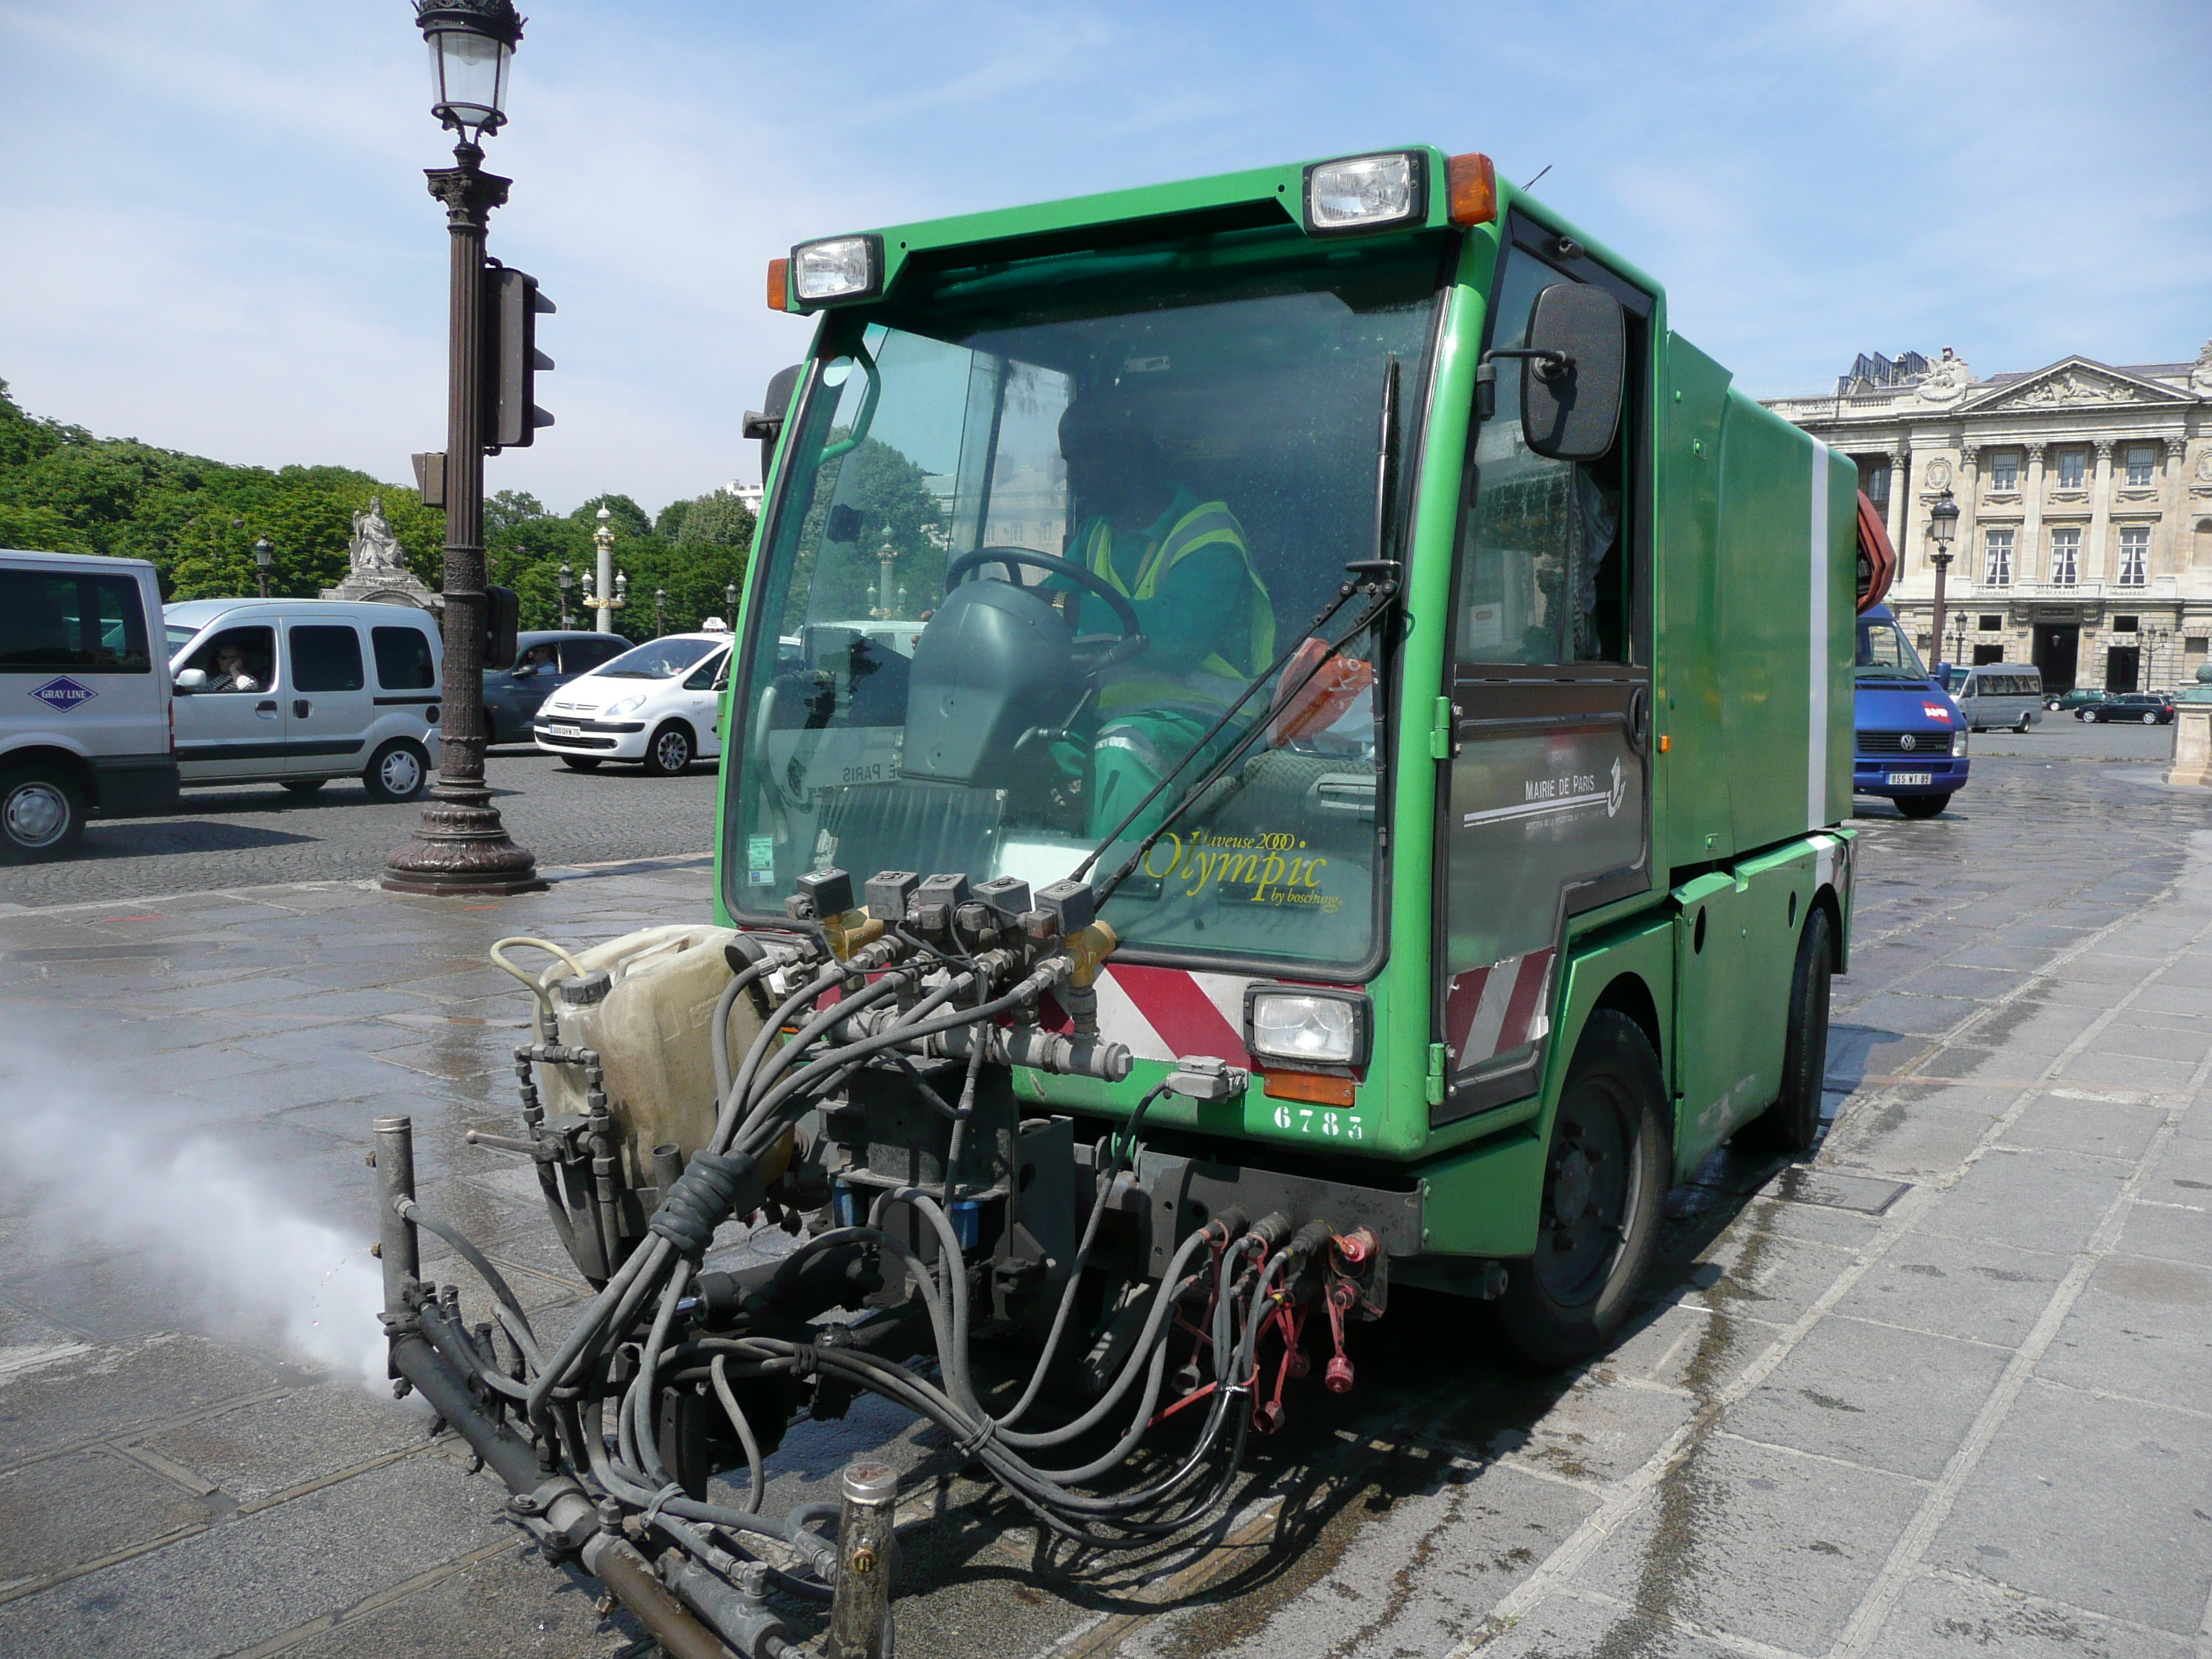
663, 660
1039, 526
1885, 653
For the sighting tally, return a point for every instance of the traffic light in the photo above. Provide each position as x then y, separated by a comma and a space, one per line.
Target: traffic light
502, 615
512, 359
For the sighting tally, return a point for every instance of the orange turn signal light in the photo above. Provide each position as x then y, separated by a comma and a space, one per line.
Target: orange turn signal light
1318, 1087
1471, 188
1666, 742
779, 285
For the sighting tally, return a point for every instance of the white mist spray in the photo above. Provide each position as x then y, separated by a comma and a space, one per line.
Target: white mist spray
207, 1230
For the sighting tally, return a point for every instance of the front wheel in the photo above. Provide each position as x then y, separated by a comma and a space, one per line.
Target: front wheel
2022, 727
670, 750
304, 786
1792, 1124
1921, 806
396, 772
1605, 1181
41, 814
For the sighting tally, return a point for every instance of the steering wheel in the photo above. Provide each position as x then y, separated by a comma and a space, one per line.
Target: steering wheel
1124, 612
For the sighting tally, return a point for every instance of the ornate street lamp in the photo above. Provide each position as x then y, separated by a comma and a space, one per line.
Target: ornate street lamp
660, 611
565, 580
264, 556
730, 594
1942, 525
461, 846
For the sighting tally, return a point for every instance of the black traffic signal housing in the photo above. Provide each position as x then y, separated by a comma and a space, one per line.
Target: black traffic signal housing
502, 617
512, 359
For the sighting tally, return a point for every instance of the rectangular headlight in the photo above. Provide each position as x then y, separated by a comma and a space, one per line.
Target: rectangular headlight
1366, 192
1305, 1027
1958, 743
836, 268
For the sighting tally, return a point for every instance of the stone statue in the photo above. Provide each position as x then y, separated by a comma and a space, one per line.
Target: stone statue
374, 546
1947, 379
2200, 376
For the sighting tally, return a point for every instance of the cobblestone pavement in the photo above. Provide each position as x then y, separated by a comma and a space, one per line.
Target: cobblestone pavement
1942, 1390
233, 838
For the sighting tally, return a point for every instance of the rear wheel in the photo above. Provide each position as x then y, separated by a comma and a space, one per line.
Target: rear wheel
305, 786
2150, 719
670, 750
1921, 806
41, 813
1792, 1124
581, 763
396, 772
1605, 1181
2022, 727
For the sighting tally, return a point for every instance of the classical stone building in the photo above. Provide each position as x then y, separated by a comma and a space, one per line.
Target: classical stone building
2084, 540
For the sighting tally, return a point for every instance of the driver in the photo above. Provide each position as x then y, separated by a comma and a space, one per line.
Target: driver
1185, 567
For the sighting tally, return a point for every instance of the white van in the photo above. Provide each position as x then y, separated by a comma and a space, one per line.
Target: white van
300, 691
1993, 695
84, 706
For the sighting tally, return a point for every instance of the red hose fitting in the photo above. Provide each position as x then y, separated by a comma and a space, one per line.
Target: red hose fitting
1343, 1296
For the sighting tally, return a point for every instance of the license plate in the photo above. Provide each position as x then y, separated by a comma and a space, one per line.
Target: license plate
1895, 777
555, 729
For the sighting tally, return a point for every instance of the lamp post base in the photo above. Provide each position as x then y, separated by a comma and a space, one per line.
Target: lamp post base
462, 850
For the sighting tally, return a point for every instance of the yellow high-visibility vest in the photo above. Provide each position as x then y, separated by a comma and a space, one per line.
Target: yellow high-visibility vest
1209, 523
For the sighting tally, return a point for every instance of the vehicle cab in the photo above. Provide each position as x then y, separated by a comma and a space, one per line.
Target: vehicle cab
1911, 744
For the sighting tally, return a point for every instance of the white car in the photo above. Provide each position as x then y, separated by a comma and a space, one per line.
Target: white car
655, 704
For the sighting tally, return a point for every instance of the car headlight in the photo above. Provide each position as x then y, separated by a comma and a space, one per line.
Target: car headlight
627, 706
1366, 192
838, 268
1958, 743
1305, 1027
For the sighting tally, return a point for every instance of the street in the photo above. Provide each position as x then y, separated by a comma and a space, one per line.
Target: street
229, 838
1939, 1390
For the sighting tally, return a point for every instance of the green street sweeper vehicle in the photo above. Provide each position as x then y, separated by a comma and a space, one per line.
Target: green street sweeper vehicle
1286, 735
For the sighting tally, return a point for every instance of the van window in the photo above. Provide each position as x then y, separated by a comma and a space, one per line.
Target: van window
237, 660
403, 659
581, 656
326, 657
708, 674
53, 619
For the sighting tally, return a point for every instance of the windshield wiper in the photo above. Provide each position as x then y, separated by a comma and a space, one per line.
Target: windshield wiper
1378, 577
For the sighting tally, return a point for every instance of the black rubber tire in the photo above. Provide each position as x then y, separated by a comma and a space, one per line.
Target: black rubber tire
41, 813
1792, 1123
1609, 1117
387, 780
2150, 720
1921, 806
581, 763
670, 750
305, 786
2022, 727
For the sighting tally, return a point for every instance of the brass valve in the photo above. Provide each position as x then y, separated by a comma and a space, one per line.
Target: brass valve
1087, 950
848, 931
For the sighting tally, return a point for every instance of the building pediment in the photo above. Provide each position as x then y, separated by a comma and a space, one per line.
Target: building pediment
2072, 383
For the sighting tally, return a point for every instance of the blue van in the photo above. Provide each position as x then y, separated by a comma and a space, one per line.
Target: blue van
1912, 736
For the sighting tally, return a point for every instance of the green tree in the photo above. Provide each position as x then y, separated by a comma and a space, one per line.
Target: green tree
625, 516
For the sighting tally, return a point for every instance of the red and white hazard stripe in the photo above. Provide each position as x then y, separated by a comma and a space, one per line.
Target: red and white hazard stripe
1490, 1011
1164, 1013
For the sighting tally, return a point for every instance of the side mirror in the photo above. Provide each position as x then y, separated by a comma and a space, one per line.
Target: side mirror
190, 680
766, 422
523, 670
1572, 368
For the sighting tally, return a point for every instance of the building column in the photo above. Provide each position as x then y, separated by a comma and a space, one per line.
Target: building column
2174, 519
2095, 556
2032, 553
1901, 484
1967, 548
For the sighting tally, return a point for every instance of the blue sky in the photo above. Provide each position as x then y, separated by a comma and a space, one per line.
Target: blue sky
214, 233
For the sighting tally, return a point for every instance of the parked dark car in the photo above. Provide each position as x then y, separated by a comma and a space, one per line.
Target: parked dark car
2074, 702
544, 662
2143, 707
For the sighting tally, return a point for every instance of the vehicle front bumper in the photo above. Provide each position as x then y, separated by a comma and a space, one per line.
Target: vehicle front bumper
1871, 775
607, 739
